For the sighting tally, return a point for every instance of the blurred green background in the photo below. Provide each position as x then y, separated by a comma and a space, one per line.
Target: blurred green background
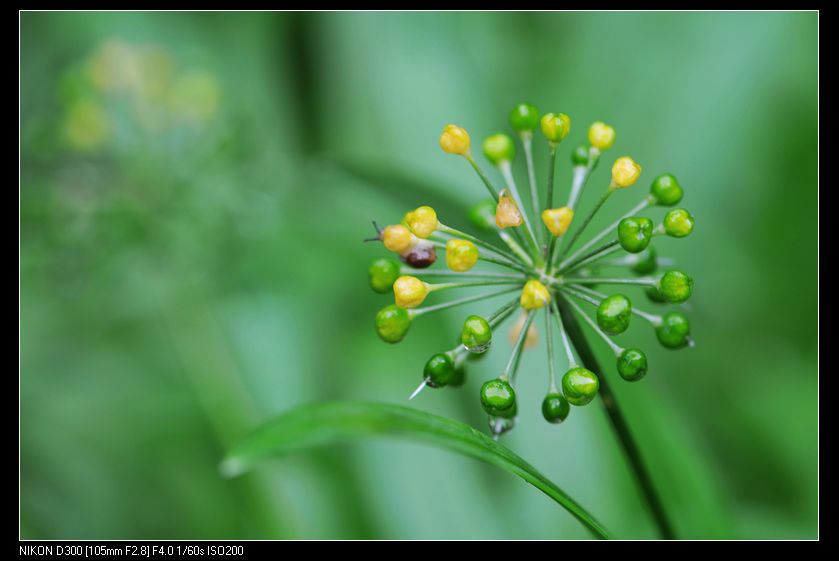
194, 189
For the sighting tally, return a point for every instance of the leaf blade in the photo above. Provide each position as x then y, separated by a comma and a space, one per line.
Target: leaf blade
321, 424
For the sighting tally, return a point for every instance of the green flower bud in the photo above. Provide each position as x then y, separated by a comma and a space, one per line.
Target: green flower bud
476, 335
524, 117
555, 408
635, 233
614, 313
678, 223
674, 330
580, 155
646, 261
482, 215
632, 364
555, 126
675, 286
666, 190
392, 323
579, 386
498, 398
439, 370
383, 272
499, 148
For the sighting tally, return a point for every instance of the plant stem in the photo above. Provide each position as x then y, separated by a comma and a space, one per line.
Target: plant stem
630, 448
512, 364
459, 301
477, 241
527, 142
467, 275
578, 232
593, 255
487, 183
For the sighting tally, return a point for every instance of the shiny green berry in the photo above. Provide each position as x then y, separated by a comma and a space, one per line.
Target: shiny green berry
499, 148
666, 190
674, 330
476, 335
675, 286
524, 117
392, 323
678, 223
555, 408
498, 398
646, 261
614, 313
439, 370
632, 364
579, 386
383, 272
635, 233
482, 215
580, 155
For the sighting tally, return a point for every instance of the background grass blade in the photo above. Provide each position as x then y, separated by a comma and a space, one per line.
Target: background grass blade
325, 423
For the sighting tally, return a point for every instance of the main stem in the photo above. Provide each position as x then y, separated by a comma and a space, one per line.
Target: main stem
630, 448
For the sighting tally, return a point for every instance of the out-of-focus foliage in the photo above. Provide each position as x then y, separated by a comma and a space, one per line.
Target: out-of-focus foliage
194, 188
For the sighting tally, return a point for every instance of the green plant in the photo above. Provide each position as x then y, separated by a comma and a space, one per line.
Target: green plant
546, 273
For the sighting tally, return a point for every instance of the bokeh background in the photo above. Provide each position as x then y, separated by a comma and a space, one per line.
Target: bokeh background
194, 189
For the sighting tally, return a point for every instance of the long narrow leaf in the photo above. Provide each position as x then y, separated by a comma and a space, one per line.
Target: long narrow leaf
325, 423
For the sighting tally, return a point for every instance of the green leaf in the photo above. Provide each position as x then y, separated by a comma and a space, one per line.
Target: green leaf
325, 423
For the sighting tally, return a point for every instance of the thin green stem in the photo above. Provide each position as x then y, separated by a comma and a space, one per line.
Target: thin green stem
487, 183
617, 349
503, 312
551, 173
517, 249
579, 180
527, 142
595, 254
641, 281
569, 354
466, 275
611, 228
550, 344
475, 240
465, 300
507, 173
619, 424
498, 260
578, 232
447, 285
511, 368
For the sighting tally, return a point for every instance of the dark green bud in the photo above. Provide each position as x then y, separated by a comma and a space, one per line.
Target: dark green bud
654, 295
498, 398
392, 323
439, 371
524, 117
580, 155
678, 223
635, 233
632, 364
614, 313
579, 386
666, 190
646, 262
482, 215
675, 286
476, 335
459, 376
383, 272
674, 330
555, 408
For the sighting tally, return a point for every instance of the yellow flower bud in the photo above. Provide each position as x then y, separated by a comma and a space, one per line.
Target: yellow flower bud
555, 126
557, 220
532, 337
454, 140
409, 292
625, 172
534, 295
507, 212
461, 255
422, 221
601, 135
397, 238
